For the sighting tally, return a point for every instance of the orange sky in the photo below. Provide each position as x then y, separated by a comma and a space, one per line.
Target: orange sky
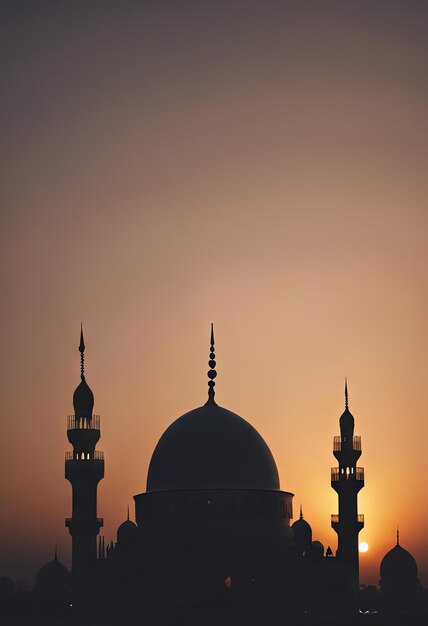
261, 165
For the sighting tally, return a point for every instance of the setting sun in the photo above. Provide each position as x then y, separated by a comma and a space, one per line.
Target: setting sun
363, 546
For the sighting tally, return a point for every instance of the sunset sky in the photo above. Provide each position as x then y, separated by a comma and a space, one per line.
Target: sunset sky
257, 164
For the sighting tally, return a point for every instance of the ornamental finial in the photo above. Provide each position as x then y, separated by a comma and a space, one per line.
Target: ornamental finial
211, 373
346, 394
82, 350
398, 536
301, 512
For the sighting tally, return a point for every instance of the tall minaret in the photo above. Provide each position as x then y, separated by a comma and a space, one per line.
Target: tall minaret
84, 468
347, 480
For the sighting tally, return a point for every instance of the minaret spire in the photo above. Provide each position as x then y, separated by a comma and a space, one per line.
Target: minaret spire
346, 394
82, 356
212, 372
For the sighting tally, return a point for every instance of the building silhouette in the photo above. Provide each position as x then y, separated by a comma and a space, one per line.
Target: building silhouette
212, 542
213, 526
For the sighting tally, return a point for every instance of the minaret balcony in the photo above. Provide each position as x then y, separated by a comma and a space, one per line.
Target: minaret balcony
335, 519
341, 443
83, 433
97, 455
339, 474
86, 466
356, 526
81, 423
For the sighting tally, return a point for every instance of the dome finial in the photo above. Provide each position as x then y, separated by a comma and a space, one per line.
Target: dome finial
211, 373
398, 536
346, 394
301, 512
128, 513
56, 552
82, 350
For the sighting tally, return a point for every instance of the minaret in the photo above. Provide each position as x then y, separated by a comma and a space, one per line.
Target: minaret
347, 480
84, 468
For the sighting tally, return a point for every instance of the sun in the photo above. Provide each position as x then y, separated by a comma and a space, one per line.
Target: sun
363, 546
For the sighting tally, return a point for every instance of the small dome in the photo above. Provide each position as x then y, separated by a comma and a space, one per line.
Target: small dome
302, 533
53, 578
83, 400
398, 571
126, 533
317, 549
211, 448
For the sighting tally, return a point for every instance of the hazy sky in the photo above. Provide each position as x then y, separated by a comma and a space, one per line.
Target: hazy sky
261, 165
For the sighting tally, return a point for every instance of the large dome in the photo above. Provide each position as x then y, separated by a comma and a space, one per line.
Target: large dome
211, 448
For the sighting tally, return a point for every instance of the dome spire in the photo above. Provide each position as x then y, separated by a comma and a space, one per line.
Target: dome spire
301, 512
346, 394
398, 536
212, 372
82, 356
128, 513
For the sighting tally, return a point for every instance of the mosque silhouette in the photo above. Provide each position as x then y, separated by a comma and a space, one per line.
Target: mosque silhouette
212, 542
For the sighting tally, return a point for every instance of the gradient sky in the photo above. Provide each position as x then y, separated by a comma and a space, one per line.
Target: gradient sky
261, 165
